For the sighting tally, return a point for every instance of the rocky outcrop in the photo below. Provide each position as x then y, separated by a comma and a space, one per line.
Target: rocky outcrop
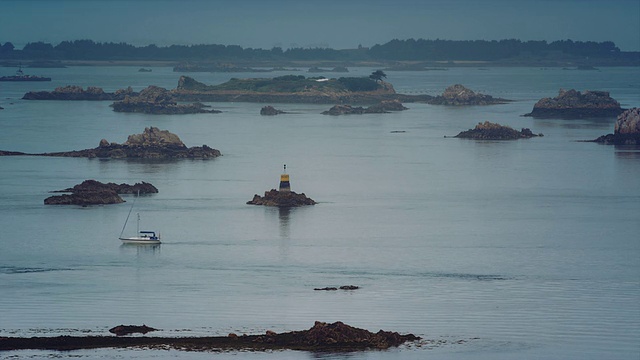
281, 199
74, 92
270, 111
131, 329
382, 107
344, 287
327, 337
626, 129
153, 143
572, 104
157, 100
92, 192
492, 131
458, 95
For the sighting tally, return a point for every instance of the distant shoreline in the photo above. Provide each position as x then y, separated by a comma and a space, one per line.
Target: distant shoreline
303, 65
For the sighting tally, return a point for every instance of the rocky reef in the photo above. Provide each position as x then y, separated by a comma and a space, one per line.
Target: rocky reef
626, 129
458, 95
270, 111
382, 107
281, 199
326, 337
74, 92
492, 131
92, 192
572, 104
153, 143
157, 100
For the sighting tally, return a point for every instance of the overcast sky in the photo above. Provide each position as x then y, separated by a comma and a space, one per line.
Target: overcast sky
318, 23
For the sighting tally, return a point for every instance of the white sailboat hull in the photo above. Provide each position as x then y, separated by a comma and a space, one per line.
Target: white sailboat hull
139, 240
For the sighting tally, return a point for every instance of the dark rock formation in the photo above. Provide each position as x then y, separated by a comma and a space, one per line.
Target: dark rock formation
74, 92
281, 199
92, 192
572, 104
153, 143
382, 107
626, 130
144, 70
270, 111
458, 95
344, 287
131, 329
492, 131
335, 337
93, 185
157, 100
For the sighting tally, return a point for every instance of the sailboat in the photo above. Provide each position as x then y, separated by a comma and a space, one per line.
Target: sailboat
141, 237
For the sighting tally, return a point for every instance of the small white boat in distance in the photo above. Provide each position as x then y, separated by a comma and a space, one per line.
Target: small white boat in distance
142, 237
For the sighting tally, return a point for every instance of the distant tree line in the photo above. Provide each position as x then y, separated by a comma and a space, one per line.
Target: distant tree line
399, 50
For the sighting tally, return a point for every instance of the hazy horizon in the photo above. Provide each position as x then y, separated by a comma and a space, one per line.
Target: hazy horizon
332, 24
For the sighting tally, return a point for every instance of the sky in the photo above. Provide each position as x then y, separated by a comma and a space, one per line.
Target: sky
335, 24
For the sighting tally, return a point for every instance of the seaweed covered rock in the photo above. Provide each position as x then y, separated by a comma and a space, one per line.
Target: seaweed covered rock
281, 199
92, 192
572, 104
338, 335
458, 95
131, 329
626, 129
492, 131
157, 100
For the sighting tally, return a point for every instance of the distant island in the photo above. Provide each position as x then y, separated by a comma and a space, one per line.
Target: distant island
417, 54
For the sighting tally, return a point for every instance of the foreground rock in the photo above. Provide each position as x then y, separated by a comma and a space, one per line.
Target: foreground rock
74, 92
572, 104
492, 131
458, 95
153, 143
92, 192
281, 199
157, 100
335, 337
383, 107
626, 130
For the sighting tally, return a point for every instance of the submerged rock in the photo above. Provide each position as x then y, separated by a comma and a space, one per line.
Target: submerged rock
492, 131
572, 104
281, 199
626, 129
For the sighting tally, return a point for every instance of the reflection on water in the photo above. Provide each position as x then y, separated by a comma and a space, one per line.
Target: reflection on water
141, 250
283, 216
627, 152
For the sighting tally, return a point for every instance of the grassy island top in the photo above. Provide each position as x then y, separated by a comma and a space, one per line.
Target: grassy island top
289, 84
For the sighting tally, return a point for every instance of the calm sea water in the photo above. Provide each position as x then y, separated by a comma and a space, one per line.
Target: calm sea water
488, 250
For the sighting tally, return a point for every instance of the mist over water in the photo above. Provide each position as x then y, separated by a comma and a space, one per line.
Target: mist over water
493, 250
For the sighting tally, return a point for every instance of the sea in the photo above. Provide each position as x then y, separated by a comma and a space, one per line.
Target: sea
526, 249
